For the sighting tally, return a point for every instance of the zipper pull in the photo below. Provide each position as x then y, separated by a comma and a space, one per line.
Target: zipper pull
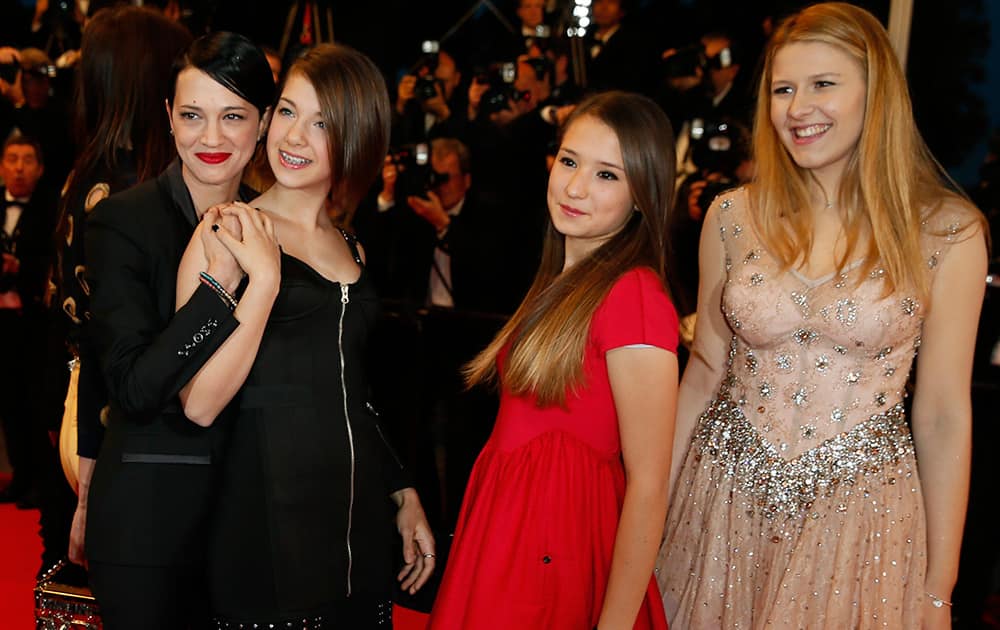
343, 294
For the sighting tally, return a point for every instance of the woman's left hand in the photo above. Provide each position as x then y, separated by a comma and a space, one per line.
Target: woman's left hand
418, 542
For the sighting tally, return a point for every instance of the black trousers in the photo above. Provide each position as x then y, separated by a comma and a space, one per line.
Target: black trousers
26, 441
150, 598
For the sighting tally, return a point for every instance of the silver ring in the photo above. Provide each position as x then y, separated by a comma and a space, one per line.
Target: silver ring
428, 555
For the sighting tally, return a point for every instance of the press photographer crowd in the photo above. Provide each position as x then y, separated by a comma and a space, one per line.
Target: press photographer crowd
143, 143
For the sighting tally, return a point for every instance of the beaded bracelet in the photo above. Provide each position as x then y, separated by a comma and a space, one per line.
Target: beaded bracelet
224, 295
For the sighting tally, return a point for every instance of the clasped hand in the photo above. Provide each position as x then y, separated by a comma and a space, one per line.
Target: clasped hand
240, 240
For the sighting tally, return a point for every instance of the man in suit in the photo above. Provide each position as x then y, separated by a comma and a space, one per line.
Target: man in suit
29, 215
439, 247
618, 57
441, 257
427, 103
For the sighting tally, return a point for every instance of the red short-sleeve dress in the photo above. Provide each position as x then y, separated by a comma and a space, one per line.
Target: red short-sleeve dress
535, 536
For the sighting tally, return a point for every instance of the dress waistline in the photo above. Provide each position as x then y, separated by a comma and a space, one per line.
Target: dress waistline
787, 488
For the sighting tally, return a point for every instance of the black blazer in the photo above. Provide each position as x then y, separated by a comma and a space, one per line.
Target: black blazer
401, 248
626, 62
35, 248
155, 474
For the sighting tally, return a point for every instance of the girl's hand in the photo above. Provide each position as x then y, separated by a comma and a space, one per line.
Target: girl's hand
219, 261
258, 253
418, 541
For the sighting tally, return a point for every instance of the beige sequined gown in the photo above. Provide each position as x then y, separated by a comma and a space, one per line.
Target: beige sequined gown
799, 504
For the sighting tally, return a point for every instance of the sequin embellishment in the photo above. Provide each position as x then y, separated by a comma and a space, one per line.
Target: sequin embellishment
789, 487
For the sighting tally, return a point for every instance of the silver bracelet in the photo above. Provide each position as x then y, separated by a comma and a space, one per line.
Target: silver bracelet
936, 601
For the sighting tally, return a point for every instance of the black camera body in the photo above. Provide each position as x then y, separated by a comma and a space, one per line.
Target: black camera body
416, 175
718, 148
424, 69
685, 62
8, 72
500, 77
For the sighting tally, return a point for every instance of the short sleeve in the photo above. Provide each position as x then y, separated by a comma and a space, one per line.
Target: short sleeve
636, 311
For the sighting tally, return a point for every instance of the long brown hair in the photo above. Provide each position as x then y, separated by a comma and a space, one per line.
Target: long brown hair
548, 332
354, 101
891, 182
123, 79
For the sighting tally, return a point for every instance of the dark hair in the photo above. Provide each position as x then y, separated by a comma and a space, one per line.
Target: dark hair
121, 83
21, 140
354, 101
234, 62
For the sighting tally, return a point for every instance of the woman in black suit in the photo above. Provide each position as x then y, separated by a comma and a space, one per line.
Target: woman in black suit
119, 148
155, 476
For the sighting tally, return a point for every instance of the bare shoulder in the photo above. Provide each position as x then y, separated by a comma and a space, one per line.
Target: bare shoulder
954, 219
731, 203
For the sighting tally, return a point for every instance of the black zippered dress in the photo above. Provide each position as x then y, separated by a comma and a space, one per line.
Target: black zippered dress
304, 522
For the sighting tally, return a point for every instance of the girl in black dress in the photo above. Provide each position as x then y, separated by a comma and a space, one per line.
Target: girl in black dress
303, 531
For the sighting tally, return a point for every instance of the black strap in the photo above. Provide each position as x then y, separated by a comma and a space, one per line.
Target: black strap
352, 243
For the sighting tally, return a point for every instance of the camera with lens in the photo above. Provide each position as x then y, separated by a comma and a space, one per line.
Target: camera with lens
718, 148
45, 71
690, 60
501, 92
416, 175
685, 62
426, 87
542, 37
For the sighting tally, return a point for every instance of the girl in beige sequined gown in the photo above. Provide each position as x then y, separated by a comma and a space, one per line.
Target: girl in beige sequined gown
797, 498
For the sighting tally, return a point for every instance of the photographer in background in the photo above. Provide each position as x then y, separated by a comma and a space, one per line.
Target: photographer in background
720, 152
703, 81
426, 99
27, 80
515, 122
618, 55
27, 222
432, 241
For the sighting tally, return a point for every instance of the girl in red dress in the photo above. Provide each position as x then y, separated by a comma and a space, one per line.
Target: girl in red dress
565, 507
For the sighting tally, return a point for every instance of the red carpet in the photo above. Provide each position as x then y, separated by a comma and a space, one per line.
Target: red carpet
20, 555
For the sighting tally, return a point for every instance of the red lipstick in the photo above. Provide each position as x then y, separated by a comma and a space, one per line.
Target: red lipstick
213, 158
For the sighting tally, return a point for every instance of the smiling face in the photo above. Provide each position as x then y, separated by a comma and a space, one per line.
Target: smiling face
298, 147
818, 98
588, 196
215, 130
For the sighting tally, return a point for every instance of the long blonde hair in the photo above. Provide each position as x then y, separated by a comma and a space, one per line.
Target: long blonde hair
548, 333
891, 182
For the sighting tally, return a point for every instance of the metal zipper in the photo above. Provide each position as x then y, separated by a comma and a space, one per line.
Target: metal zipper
344, 299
